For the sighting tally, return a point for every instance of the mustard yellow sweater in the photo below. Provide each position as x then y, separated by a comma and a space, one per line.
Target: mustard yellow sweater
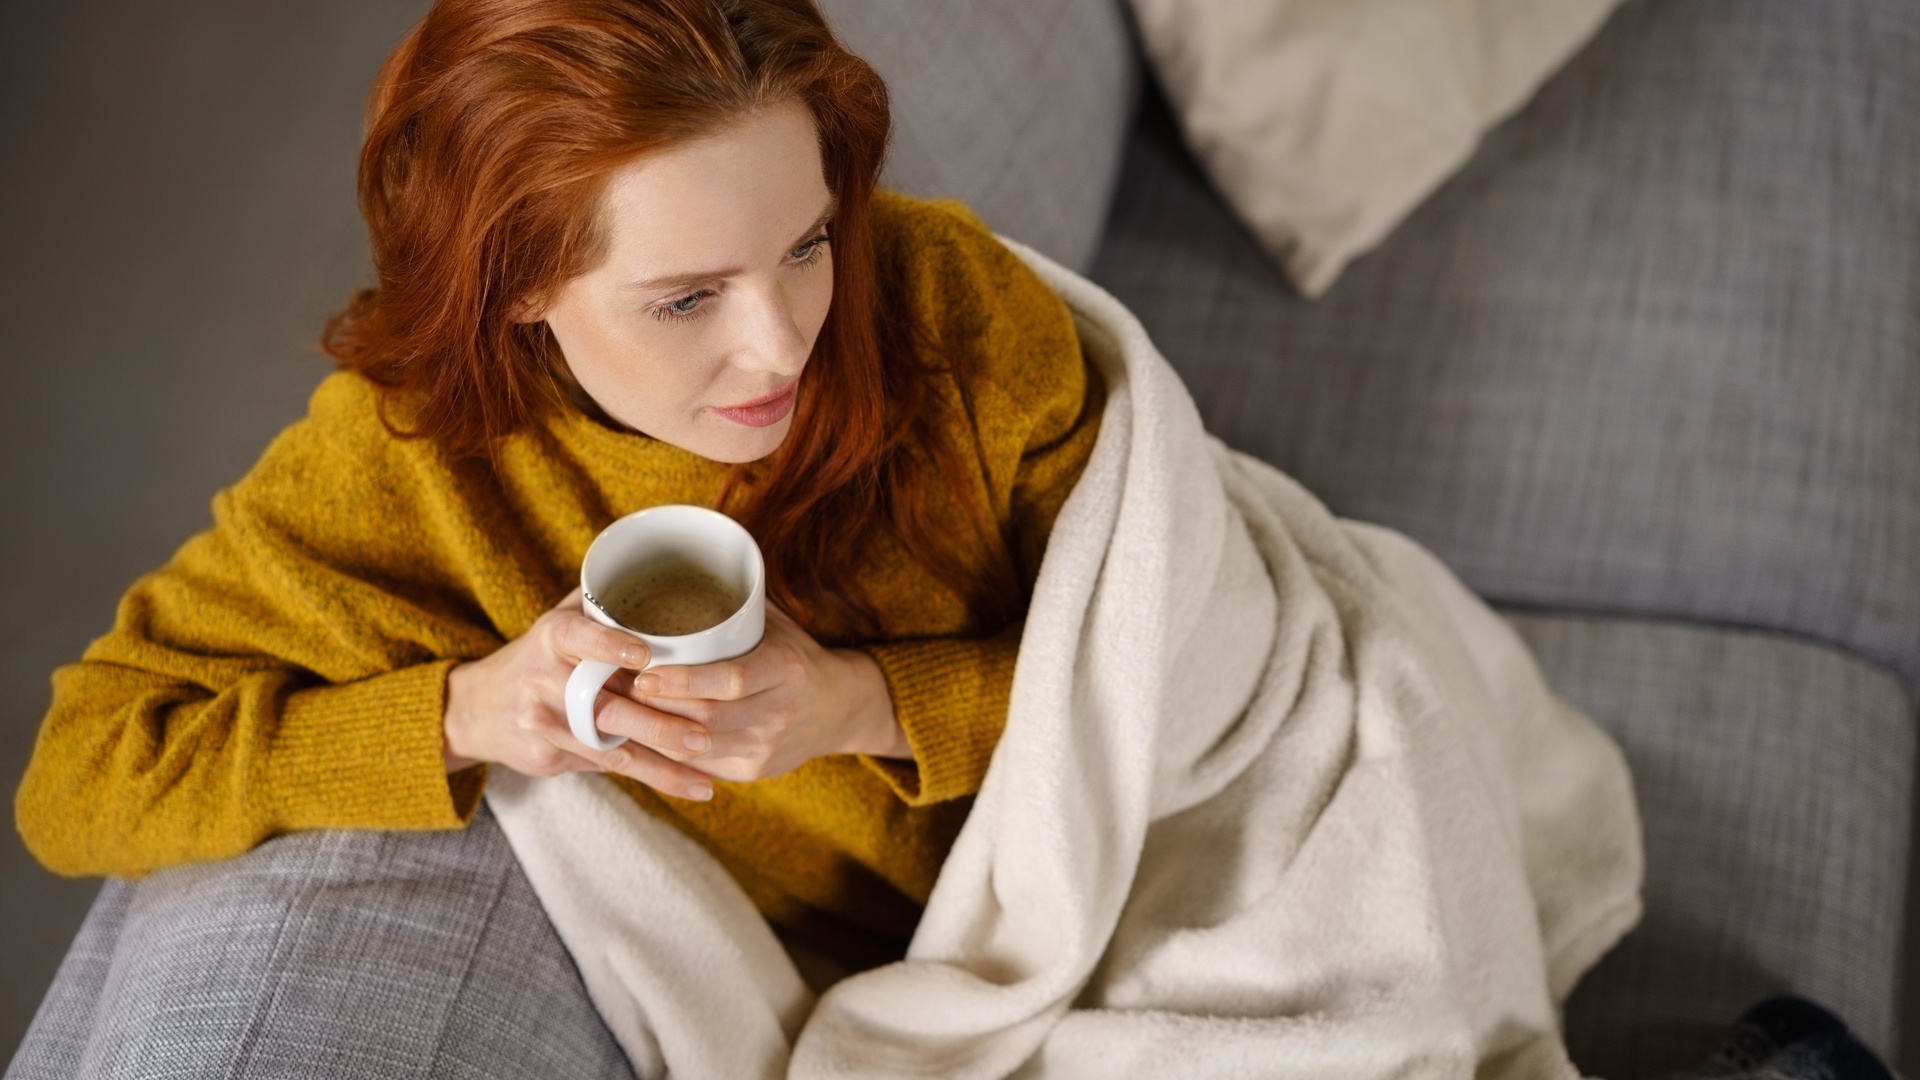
286, 670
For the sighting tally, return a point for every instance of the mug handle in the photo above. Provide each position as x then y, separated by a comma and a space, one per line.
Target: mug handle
583, 688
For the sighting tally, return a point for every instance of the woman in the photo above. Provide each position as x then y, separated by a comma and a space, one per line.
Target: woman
629, 253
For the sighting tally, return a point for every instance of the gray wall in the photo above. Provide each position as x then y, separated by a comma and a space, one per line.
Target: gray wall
176, 221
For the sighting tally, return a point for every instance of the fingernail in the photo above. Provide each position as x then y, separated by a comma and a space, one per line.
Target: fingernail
633, 656
698, 741
700, 792
619, 760
648, 683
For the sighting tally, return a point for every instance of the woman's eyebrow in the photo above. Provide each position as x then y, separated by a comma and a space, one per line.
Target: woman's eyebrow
673, 281
826, 215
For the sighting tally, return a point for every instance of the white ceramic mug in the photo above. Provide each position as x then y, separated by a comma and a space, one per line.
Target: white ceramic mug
688, 534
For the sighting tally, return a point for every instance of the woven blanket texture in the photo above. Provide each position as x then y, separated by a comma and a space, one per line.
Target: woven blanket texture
1277, 797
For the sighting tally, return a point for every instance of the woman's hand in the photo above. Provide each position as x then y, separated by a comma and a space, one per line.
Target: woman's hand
788, 701
511, 708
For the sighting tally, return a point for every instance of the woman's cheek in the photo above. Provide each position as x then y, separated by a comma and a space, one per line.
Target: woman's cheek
820, 281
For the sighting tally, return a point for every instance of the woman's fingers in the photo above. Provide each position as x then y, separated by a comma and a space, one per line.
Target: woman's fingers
675, 736
669, 778
728, 680
547, 754
577, 637
736, 755
552, 749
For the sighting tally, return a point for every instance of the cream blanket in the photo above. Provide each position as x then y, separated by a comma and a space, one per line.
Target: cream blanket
1277, 797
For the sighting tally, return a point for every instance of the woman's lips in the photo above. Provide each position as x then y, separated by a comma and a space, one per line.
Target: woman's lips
763, 411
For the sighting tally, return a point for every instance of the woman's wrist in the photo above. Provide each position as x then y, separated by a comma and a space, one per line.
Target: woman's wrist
876, 728
452, 727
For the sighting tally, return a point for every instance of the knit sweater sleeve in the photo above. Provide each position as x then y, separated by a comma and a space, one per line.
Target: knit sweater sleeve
286, 670
1036, 407
951, 694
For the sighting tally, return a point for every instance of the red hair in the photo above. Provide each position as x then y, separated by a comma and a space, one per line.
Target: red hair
491, 132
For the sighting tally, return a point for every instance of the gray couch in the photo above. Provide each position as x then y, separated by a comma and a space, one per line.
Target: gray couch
1646, 373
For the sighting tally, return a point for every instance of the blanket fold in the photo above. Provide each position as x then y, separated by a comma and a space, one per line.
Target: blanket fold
1276, 797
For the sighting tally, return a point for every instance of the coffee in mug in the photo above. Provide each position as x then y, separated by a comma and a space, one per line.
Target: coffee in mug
686, 580
672, 598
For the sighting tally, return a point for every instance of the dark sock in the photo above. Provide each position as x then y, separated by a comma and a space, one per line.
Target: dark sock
1761, 1033
1827, 1055
1787, 1019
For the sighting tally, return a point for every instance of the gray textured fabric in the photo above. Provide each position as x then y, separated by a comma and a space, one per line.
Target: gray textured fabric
331, 954
1020, 109
1656, 350
64, 1022
1774, 779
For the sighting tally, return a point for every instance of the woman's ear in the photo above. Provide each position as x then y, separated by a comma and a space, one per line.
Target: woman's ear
528, 309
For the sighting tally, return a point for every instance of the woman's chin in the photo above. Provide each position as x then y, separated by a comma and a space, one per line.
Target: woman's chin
732, 443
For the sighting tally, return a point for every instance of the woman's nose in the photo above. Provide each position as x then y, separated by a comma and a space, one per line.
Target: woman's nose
773, 341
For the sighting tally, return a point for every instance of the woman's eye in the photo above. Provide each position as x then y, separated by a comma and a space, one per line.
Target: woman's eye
809, 252
684, 308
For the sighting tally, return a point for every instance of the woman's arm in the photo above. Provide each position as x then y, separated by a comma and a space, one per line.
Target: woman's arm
950, 697
951, 694
154, 752
285, 670
135, 769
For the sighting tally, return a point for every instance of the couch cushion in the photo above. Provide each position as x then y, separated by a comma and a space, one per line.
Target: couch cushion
1324, 125
1774, 779
1655, 350
324, 954
1019, 109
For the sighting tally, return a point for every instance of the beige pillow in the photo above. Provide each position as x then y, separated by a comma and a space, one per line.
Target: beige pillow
1325, 122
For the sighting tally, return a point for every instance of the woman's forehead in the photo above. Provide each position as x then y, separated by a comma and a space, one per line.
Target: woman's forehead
729, 199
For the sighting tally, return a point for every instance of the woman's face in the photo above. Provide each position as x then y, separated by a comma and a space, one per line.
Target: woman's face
696, 326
